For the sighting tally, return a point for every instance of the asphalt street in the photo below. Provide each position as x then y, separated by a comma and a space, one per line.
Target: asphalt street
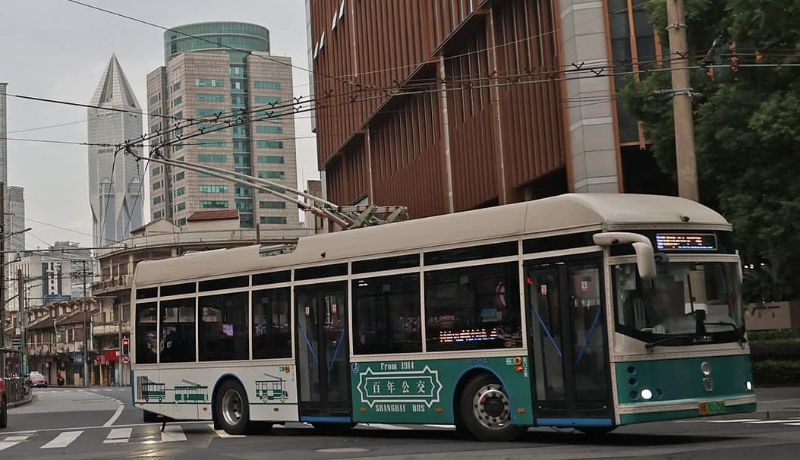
100, 423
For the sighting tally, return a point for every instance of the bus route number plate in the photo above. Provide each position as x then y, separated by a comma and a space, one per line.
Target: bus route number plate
712, 408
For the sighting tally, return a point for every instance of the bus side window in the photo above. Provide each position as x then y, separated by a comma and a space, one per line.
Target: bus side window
271, 333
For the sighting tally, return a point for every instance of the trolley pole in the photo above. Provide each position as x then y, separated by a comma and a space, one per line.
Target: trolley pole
682, 101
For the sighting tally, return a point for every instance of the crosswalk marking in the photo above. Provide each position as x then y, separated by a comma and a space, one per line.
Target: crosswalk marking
173, 433
11, 441
63, 440
118, 435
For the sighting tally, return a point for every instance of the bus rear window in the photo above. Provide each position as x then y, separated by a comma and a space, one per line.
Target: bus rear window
473, 308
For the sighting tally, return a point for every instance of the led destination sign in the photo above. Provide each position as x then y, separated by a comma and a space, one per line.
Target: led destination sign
686, 242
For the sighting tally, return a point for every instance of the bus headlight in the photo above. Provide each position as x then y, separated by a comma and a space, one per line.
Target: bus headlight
647, 394
749, 385
705, 368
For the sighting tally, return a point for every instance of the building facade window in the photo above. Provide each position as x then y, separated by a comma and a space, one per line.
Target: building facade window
271, 175
180, 176
206, 144
267, 100
211, 158
181, 222
180, 191
269, 129
272, 204
213, 204
180, 207
213, 189
211, 83
177, 101
210, 98
270, 159
269, 144
271, 85
209, 112
271, 220
157, 199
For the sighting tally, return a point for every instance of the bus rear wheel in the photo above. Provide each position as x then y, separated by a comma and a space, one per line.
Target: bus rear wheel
231, 408
485, 410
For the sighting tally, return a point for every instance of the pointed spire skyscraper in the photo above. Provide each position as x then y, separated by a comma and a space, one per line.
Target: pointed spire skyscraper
116, 191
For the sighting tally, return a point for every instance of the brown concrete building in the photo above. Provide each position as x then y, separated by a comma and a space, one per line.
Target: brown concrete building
449, 105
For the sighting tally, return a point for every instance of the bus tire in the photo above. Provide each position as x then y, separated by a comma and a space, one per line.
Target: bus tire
485, 410
3, 412
231, 408
149, 417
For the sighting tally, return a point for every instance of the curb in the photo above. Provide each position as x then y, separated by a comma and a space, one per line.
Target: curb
20, 403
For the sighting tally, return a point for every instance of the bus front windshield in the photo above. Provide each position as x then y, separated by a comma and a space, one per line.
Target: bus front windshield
663, 310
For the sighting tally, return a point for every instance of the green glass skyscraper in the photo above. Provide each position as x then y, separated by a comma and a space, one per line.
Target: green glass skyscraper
222, 68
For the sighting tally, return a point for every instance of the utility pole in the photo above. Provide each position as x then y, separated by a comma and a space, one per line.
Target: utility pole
85, 331
682, 101
23, 319
2, 270
118, 304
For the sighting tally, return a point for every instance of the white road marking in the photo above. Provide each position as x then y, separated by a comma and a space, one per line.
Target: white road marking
97, 427
173, 433
63, 440
116, 415
764, 422
384, 426
223, 434
118, 435
740, 420
11, 441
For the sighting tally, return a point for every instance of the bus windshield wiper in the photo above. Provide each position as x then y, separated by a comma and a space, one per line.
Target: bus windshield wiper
661, 341
736, 329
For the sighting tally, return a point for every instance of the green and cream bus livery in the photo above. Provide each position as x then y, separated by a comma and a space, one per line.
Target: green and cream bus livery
588, 311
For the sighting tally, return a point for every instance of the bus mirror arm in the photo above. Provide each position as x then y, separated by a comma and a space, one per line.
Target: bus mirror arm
645, 257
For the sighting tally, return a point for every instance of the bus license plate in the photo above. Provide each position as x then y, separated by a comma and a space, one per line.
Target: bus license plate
712, 408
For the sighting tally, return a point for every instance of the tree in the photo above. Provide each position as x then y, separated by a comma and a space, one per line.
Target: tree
747, 128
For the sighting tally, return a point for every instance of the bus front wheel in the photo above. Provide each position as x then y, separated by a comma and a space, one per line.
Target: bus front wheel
485, 410
231, 408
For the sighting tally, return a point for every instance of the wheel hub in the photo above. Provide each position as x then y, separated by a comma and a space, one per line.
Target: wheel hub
490, 406
232, 407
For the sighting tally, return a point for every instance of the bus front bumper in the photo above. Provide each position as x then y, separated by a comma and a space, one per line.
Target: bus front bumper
681, 409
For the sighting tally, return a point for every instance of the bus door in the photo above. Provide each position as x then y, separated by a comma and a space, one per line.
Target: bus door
323, 353
568, 343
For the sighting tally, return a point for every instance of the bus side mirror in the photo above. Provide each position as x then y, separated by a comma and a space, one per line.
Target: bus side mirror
645, 260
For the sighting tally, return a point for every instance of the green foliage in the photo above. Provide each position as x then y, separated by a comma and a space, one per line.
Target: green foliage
766, 336
786, 349
747, 129
776, 372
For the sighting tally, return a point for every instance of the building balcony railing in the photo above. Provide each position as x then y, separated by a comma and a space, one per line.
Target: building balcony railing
110, 328
114, 284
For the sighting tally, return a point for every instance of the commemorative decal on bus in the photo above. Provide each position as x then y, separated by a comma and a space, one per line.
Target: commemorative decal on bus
397, 387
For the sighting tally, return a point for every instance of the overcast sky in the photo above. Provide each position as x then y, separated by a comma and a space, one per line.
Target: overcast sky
59, 50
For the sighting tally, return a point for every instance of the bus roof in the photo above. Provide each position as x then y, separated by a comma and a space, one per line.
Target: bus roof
568, 212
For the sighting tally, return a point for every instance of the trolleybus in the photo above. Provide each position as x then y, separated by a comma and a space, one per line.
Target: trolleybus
589, 311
